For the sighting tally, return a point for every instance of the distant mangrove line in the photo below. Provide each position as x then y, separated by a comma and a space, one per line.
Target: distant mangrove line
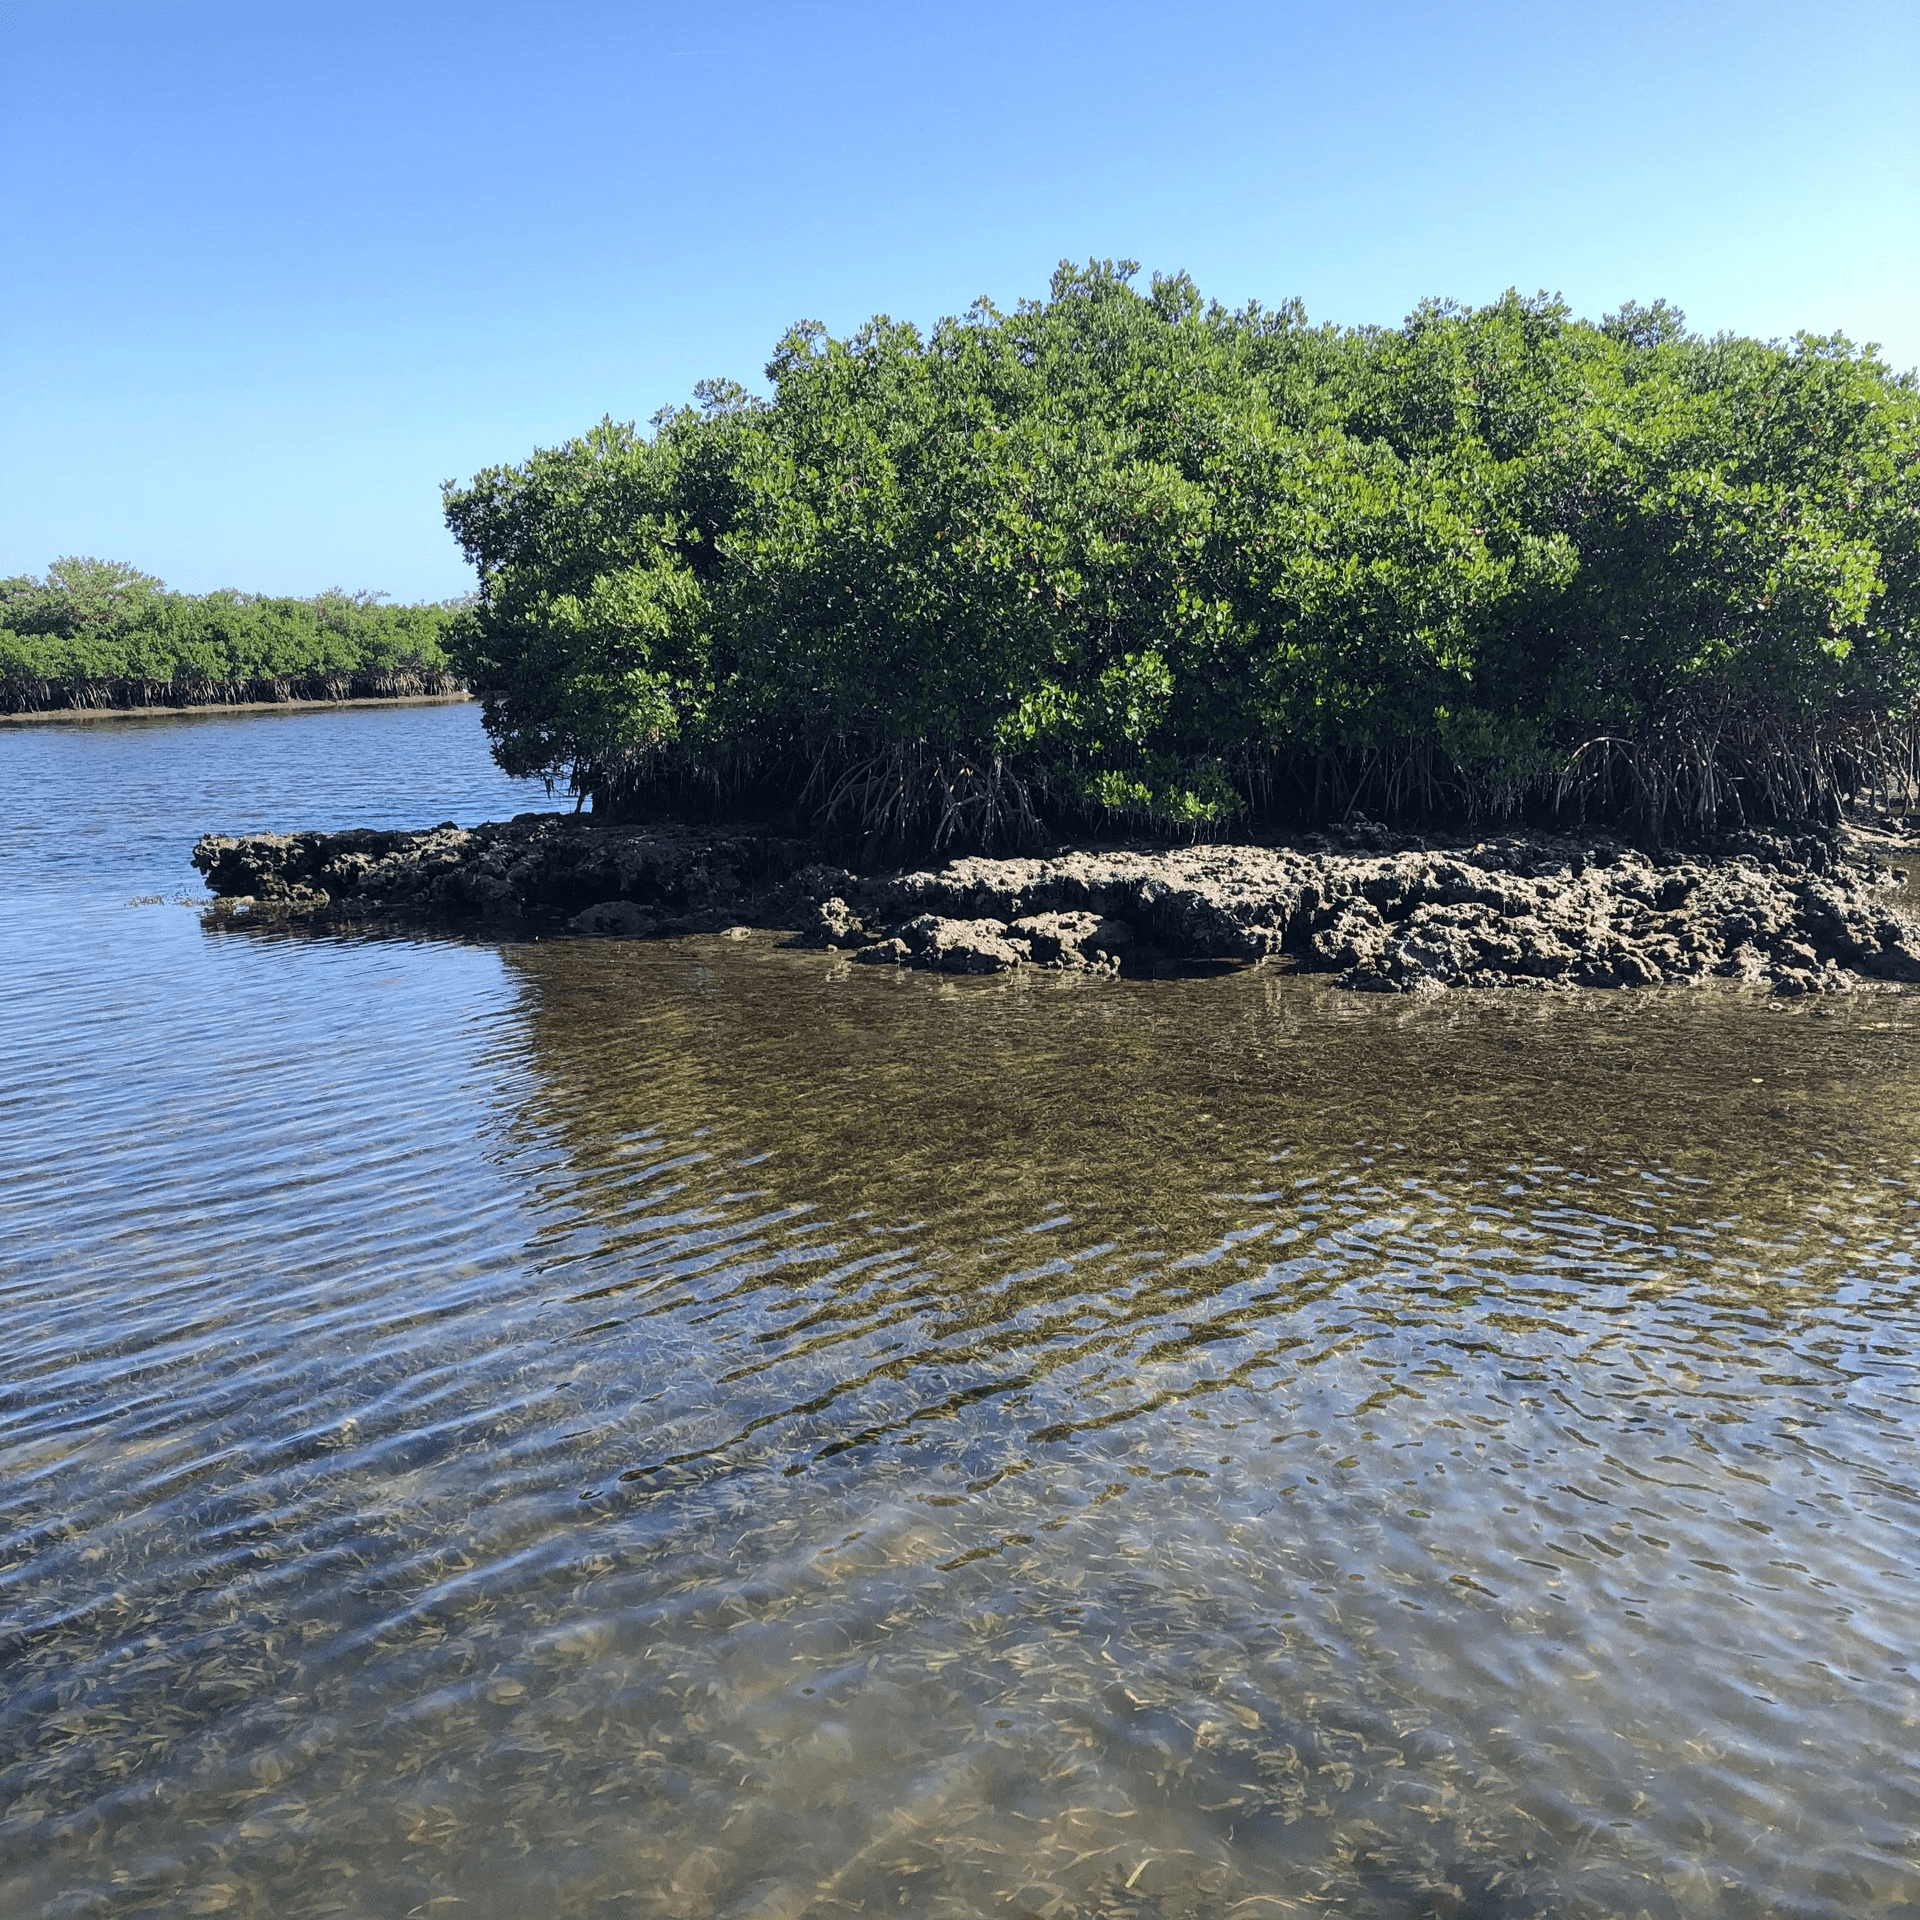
101, 634
1126, 558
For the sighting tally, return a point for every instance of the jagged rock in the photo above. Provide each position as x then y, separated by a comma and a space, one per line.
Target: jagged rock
1793, 914
961, 946
831, 924
1075, 941
1354, 938
536, 869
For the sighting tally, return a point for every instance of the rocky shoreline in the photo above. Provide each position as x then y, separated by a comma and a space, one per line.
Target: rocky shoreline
1793, 914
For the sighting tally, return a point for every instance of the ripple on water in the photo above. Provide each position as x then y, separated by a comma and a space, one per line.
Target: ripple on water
706, 1430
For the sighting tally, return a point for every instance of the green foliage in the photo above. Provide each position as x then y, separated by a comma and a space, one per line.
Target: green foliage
100, 623
1129, 556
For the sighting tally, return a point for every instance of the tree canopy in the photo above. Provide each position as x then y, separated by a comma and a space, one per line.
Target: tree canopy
1129, 556
101, 622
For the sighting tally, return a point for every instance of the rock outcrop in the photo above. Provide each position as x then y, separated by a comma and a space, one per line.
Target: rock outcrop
539, 870
1807, 915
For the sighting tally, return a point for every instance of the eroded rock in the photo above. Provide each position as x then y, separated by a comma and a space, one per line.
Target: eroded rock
959, 946
1794, 916
1077, 941
831, 923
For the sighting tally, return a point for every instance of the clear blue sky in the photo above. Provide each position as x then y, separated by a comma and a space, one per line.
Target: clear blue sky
279, 267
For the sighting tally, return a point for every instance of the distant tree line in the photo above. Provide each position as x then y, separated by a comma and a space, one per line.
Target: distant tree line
99, 633
1126, 558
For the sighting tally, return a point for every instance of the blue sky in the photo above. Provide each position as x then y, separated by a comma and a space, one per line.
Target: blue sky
279, 268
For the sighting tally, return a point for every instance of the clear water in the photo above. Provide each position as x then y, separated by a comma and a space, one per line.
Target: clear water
694, 1429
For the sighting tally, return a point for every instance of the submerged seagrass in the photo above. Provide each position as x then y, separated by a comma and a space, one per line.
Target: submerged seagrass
575, 1427
1123, 559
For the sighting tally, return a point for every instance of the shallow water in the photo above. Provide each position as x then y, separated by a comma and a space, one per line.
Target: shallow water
696, 1429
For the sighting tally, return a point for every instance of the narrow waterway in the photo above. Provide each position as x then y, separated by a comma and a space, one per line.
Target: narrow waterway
584, 1428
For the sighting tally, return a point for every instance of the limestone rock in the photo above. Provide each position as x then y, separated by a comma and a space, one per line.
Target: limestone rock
1076, 941
1794, 915
832, 923
961, 946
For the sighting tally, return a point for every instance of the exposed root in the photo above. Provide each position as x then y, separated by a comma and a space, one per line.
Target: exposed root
916, 794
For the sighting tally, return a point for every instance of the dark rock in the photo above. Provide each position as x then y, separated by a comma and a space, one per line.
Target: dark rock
619, 919
1796, 914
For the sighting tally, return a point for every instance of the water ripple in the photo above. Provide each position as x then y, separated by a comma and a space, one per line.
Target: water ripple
704, 1430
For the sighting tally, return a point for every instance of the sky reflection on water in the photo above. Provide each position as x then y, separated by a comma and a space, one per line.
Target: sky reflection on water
704, 1430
